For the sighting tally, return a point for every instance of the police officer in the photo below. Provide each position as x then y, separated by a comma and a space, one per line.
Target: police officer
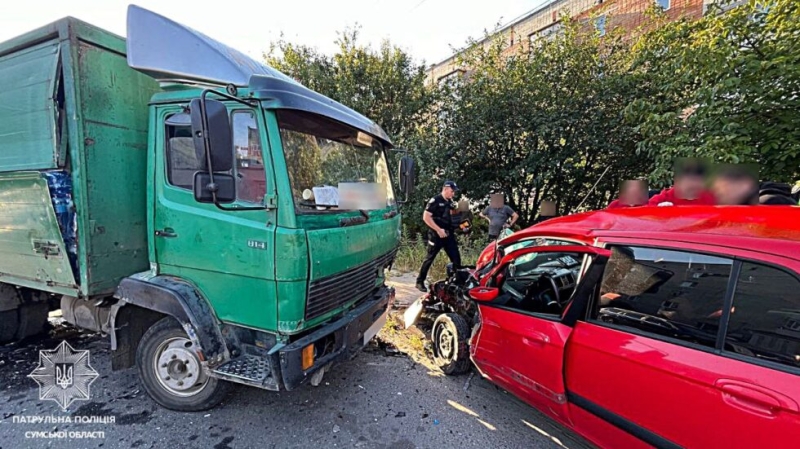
440, 235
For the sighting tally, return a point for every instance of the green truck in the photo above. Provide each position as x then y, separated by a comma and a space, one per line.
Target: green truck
218, 220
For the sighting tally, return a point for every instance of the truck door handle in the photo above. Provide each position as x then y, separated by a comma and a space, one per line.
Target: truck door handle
166, 232
754, 398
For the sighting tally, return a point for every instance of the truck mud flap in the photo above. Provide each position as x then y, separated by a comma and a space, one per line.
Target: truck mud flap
180, 300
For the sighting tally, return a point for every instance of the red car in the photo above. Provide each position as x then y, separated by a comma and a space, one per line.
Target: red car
665, 327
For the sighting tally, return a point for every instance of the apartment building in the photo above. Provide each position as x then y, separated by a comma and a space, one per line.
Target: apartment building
544, 22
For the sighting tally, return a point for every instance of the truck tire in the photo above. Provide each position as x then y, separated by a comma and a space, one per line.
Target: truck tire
32, 319
9, 323
171, 373
25, 321
450, 336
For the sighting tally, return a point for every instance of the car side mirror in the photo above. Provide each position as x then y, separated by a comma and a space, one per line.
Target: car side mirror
211, 133
484, 294
406, 176
224, 186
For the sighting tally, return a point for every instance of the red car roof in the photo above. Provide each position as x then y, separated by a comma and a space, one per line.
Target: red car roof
767, 222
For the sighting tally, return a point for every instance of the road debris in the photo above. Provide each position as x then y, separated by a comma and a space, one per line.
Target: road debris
469, 379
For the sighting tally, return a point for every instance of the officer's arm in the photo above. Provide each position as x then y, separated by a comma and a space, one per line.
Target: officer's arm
514, 218
427, 217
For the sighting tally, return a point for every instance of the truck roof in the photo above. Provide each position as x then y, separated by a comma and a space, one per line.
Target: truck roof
169, 51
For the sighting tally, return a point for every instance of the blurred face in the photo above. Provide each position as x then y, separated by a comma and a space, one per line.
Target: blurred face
734, 192
689, 187
448, 193
633, 193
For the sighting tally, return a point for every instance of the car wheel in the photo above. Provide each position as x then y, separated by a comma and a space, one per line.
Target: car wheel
170, 370
450, 337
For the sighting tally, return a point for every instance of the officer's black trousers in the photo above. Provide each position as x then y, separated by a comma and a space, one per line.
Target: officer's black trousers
435, 244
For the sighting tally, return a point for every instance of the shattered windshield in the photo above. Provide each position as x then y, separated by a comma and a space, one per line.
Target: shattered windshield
333, 167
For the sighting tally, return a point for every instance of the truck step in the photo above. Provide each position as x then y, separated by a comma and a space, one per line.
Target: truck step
249, 368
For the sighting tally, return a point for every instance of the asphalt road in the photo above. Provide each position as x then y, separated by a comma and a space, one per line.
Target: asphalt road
374, 401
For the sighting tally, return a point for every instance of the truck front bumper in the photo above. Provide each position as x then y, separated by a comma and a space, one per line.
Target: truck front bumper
337, 341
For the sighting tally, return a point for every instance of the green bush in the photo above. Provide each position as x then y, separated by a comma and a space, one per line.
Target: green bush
413, 249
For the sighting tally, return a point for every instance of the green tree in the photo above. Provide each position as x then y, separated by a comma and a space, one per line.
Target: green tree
725, 87
386, 84
542, 124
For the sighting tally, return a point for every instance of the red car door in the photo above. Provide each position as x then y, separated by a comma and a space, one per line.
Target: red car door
520, 345
687, 348
523, 354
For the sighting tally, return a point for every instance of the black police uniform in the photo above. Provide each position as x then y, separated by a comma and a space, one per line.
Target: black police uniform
440, 208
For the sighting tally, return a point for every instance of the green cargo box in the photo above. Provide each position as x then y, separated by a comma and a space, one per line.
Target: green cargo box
70, 103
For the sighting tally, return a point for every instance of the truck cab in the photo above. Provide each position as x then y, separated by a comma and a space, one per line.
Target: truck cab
270, 217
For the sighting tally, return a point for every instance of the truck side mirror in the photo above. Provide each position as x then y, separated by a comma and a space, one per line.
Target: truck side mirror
224, 186
406, 175
211, 132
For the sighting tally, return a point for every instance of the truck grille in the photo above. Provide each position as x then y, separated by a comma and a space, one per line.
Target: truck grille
357, 283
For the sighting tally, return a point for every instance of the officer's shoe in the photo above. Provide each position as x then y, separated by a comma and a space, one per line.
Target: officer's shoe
421, 287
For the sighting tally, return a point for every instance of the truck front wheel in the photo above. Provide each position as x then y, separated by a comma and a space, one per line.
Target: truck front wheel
170, 370
450, 337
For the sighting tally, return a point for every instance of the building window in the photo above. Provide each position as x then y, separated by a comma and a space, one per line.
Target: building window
664, 4
451, 77
545, 34
664, 293
721, 7
600, 25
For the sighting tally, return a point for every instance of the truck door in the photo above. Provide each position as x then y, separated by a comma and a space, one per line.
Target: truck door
227, 255
524, 329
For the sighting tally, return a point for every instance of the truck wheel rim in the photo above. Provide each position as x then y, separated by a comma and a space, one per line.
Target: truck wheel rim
177, 367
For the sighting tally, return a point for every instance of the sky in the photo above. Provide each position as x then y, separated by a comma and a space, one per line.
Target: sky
425, 28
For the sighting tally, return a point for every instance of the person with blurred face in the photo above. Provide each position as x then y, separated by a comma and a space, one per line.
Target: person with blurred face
734, 185
633, 193
689, 188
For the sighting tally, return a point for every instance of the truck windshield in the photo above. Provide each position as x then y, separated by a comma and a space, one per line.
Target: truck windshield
333, 167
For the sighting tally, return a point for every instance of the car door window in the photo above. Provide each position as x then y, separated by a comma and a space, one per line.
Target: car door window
540, 283
765, 317
667, 293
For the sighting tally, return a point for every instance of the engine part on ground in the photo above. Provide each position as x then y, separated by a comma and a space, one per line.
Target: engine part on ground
414, 311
